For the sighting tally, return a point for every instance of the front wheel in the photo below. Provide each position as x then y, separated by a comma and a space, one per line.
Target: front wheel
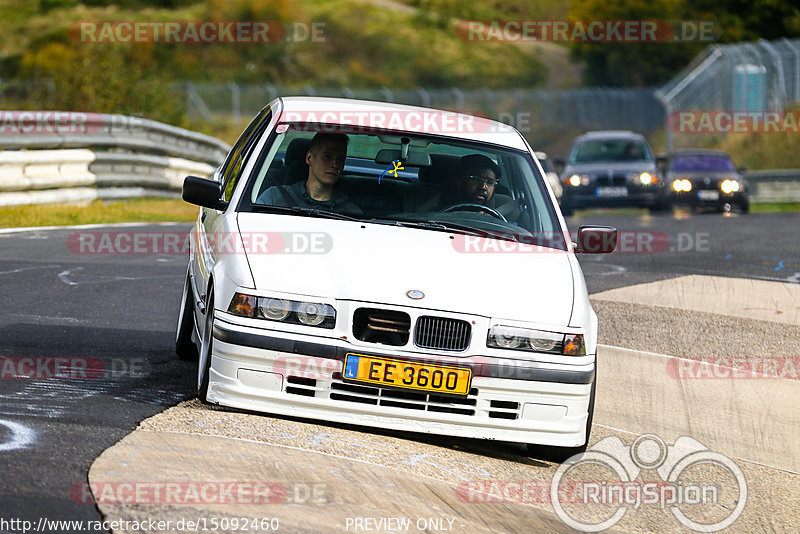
204, 361
561, 454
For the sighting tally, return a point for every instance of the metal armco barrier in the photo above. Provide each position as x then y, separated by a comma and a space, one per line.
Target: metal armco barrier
782, 185
53, 157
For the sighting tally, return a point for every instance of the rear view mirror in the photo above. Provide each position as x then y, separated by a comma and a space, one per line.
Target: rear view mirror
596, 240
202, 192
414, 159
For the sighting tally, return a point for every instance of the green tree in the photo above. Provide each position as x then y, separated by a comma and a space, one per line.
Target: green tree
632, 64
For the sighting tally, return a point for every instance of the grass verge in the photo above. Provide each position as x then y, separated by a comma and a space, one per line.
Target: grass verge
774, 207
98, 212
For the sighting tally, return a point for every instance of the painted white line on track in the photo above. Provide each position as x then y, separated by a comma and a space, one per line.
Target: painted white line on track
21, 269
21, 436
89, 226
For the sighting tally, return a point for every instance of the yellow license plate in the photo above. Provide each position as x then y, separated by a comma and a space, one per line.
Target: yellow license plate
408, 375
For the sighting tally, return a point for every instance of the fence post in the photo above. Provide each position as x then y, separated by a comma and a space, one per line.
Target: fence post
235, 102
796, 52
387, 94
425, 96
459, 98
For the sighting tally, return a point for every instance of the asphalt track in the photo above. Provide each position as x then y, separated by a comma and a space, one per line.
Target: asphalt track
117, 311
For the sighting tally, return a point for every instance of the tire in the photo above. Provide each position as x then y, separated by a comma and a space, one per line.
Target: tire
567, 211
204, 359
561, 454
185, 348
745, 207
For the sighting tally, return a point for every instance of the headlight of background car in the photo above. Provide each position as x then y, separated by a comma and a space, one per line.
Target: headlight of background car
506, 337
644, 178
283, 310
682, 185
577, 179
729, 186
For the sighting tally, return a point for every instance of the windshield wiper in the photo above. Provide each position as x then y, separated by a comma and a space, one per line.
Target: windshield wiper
471, 230
312, 212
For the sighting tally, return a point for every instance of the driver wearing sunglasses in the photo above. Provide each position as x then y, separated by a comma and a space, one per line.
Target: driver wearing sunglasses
478, 176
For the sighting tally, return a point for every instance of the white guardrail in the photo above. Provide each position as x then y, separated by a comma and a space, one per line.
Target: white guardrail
781, 185
57, 157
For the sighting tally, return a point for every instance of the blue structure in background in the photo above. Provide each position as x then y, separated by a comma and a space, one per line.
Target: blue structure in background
750, 88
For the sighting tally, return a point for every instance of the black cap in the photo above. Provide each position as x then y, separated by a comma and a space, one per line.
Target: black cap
477, 162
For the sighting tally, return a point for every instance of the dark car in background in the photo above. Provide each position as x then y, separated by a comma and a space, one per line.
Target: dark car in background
706, 179
612, 169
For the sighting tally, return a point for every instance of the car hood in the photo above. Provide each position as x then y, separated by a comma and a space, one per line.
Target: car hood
605, 166
380, 263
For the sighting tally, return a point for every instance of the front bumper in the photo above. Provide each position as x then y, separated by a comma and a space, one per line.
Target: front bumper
300, 376
581, 197
693, 199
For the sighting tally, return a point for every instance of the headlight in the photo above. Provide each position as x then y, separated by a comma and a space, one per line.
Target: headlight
577, 179
682, 185
283, 310
646, 178
506, 337
311, 313
275, 309
729, 186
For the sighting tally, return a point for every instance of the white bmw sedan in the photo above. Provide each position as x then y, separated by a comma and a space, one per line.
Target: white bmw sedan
394, 267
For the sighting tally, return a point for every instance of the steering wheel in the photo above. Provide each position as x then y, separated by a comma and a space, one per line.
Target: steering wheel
469, 206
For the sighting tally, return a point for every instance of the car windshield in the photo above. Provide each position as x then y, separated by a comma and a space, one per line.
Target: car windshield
702, 163
412, 180
610, 150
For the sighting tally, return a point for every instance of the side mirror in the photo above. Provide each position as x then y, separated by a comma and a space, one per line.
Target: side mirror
202, 192
742, 169
596, 240
661, 161
559, 164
